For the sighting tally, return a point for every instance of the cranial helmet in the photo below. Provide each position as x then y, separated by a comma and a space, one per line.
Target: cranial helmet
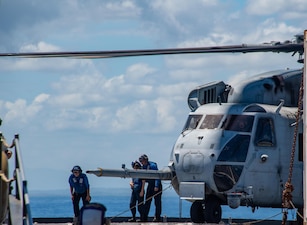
76, 168
136, 163
143, 157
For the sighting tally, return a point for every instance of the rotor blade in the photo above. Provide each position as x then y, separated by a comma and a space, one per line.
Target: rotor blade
124, 173
269, 47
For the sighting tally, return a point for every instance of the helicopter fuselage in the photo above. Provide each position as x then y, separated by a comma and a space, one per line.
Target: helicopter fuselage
238, 148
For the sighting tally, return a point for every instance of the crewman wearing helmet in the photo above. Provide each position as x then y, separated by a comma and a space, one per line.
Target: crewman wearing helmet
79, 188
154, 190
137, 193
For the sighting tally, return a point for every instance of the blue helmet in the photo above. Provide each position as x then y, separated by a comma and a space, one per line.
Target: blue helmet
76, 168
143, 157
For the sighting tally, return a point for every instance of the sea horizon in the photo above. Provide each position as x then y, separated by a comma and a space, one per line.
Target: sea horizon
57, 204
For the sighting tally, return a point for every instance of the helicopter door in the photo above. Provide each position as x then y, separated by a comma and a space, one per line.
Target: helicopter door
263, 166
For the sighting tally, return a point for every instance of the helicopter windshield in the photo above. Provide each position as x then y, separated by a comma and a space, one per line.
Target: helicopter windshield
192, 122
242, 123
265, 135
211, 122
236, 149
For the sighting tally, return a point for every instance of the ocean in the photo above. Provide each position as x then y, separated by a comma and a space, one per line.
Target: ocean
57, 204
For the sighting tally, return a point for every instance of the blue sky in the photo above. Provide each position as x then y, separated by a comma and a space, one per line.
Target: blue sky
106, 112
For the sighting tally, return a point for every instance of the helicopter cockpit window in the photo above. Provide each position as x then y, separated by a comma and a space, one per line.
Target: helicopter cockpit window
265, 134
236, 149
211, 121
242, 123
192, 122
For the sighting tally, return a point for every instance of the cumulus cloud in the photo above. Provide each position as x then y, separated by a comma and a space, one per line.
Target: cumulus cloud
23, 112
90, 101
263, 7
136, 72
41, 98
39, 47
133, 117
166, 116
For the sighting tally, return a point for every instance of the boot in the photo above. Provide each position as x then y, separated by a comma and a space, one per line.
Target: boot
75, 221
132, 219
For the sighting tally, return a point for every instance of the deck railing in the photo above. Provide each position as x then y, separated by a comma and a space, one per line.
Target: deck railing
21, 189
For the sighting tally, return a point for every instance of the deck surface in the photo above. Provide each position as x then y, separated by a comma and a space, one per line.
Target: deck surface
16, 210
170, 221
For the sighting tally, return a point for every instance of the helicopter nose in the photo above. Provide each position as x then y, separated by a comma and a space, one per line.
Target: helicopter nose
193, 163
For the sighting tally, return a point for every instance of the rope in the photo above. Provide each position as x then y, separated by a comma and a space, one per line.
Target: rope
169, 186
298, 213
287, 192
140, 203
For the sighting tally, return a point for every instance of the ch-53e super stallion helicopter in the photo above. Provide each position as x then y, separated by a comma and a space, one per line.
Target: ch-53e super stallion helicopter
235, 147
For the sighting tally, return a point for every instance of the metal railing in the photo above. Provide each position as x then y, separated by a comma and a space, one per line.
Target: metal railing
21, 190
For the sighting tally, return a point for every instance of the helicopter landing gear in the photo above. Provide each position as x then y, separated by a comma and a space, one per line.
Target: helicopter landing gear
209, 211
213, 210
196, 212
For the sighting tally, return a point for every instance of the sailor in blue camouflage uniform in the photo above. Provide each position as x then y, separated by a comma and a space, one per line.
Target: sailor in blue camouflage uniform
154, 188
137, 194
79, 188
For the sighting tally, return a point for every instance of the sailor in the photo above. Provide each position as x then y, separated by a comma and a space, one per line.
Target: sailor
137, 194
154, 190
79, 188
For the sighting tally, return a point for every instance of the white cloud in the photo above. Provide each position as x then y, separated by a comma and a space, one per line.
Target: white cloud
263, 7
41, 98
68, 100
39, 47
134, 117
137, 72
20, 111
126, 7
157, 116
283, 7
166, 116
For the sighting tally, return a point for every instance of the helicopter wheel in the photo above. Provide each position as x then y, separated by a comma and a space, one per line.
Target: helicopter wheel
213, 210
197, 212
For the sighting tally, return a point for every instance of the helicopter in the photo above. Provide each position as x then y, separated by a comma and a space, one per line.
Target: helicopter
235, 146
